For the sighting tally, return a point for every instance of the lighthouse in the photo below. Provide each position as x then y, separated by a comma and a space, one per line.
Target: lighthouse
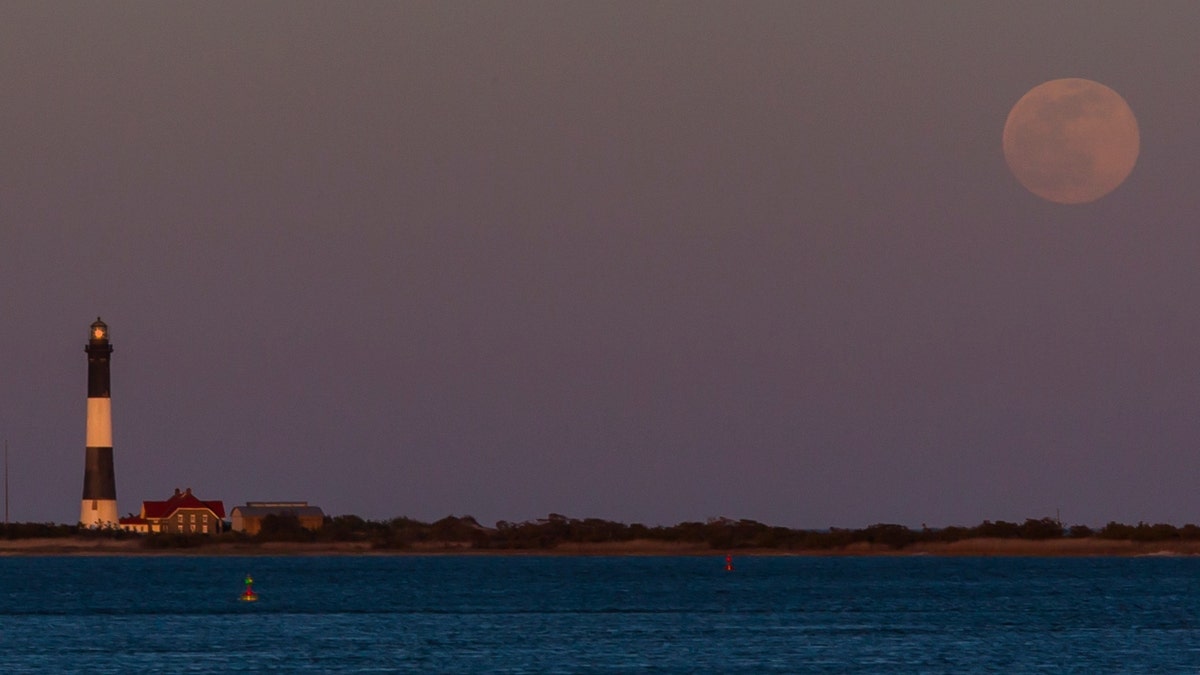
99, 507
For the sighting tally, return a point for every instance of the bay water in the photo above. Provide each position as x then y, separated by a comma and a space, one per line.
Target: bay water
559, 614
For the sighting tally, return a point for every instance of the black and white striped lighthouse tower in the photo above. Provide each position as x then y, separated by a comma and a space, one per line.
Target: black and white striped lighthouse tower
99, 508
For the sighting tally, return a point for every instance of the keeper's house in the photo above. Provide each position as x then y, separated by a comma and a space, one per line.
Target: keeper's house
183, 513
249, 518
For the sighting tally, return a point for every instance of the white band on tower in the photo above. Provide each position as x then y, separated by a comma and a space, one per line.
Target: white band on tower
99, 423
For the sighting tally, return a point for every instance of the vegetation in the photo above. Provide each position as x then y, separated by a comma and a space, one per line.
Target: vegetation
465, 533
37, 531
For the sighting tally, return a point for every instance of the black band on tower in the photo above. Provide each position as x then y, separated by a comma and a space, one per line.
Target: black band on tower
98, 378
99, 479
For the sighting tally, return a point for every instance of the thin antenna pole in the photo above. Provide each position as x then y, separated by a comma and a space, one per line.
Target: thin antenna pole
6, 482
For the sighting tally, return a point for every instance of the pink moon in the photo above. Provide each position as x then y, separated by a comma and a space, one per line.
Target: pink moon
1071, 141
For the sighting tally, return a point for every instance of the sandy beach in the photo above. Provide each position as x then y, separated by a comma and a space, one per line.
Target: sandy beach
964, 548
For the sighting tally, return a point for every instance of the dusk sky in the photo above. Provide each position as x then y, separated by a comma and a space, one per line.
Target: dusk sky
647, 262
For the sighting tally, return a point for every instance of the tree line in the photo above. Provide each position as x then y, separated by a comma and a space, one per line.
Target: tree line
554, 530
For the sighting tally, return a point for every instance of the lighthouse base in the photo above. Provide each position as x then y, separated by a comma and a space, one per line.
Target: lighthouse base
98, 513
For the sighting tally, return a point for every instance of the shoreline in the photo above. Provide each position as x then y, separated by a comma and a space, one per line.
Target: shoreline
981, 547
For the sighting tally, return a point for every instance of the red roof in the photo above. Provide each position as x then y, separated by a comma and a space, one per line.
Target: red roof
181, 500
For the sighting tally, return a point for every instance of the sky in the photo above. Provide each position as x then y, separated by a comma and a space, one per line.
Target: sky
646, 262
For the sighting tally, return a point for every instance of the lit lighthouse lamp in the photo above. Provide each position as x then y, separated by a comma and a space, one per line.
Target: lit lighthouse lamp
99, 506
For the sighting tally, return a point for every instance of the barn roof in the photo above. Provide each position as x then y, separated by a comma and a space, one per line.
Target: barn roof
261, 509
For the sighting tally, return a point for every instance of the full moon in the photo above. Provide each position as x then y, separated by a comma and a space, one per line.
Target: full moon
1071, 141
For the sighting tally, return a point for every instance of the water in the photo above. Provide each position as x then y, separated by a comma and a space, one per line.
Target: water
617, 615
